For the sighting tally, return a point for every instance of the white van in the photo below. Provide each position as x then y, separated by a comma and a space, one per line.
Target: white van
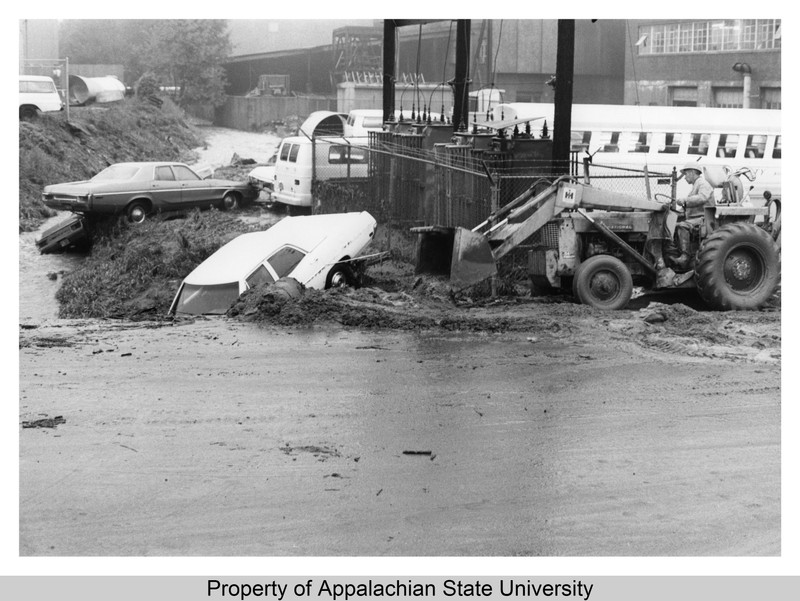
301, 160
38, 94
361, 121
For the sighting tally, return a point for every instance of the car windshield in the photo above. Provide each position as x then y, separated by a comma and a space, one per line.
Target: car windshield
117, 172
207, 300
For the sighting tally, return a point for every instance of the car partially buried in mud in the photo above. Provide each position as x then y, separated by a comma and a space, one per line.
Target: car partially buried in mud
319, 251
140, 189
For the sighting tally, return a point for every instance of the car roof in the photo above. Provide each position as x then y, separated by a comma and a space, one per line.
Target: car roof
150, 163
239, 257
36, 77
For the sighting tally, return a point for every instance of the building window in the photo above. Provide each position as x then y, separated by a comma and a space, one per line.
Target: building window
771, 98
730, 98
730, 35
683, 96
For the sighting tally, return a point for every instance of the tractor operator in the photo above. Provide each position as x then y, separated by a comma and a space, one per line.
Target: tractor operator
700, 197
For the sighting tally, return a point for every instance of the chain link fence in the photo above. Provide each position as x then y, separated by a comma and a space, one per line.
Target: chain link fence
433, 177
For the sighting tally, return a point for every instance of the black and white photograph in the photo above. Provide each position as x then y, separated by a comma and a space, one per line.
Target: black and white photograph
428, 287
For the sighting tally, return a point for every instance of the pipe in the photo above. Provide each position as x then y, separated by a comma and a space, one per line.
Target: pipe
85, 90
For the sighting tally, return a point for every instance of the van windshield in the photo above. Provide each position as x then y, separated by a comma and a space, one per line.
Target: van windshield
207, 300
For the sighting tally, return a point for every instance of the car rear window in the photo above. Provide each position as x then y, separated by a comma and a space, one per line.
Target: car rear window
285, 260
207, 300
117, 172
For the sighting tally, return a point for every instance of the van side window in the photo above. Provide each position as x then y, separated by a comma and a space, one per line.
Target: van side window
756, 144
579, 140
672, 143
641, 141
699, 144
259, 276
293, 153
727, 145
338, 155
776, 152
285, 152
285, 260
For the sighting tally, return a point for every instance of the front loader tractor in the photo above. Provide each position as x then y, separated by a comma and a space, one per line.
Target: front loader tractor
599, 244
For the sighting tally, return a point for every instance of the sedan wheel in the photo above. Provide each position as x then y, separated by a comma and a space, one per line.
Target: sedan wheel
137, 212
230, 202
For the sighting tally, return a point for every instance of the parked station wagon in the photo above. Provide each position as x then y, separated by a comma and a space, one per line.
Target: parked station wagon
141, 189
319, 251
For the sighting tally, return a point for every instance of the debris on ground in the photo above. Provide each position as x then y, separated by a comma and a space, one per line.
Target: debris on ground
45, 422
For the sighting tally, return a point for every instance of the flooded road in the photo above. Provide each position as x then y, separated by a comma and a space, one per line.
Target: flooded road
222, 438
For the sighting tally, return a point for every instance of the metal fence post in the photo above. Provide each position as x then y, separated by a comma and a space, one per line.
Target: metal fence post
495, 205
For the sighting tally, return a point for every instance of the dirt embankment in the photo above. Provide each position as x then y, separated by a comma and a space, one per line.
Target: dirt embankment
52, 150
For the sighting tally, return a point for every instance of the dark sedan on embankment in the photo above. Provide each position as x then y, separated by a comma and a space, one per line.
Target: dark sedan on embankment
140, 189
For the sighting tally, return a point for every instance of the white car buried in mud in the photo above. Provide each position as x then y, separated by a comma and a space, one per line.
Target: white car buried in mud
318, 251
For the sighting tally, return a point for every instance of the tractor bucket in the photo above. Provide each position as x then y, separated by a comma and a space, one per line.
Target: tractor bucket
457, 253
472, 260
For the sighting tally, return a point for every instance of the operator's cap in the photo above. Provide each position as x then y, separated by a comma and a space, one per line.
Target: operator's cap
693, 165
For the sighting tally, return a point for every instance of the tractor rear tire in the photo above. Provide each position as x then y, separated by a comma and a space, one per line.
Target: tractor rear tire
603, 282
738, 267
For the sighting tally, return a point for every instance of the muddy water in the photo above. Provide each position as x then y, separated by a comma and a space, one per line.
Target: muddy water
40, 275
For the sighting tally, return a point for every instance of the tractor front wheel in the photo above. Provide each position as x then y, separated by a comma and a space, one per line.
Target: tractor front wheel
603, 282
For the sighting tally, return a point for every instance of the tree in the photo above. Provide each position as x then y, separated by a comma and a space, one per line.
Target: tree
186, 54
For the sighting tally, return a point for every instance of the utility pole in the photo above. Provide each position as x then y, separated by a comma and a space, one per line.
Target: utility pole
562, 112
461, 81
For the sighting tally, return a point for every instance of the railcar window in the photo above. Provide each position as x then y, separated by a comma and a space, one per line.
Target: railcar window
579, 140
756, 145
671, 143
727, 145
641, 142
699, 144
609, 141
776, 152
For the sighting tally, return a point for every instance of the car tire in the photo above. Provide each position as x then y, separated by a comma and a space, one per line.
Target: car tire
137, 212
603, 282
339, 276
28, 113
230, 202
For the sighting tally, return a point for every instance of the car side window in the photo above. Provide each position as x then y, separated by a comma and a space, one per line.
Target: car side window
285, 152
259, 276
285, 260
164, 174
184, 173
293, 153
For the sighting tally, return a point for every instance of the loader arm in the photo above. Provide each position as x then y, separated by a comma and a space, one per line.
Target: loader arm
475, 252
